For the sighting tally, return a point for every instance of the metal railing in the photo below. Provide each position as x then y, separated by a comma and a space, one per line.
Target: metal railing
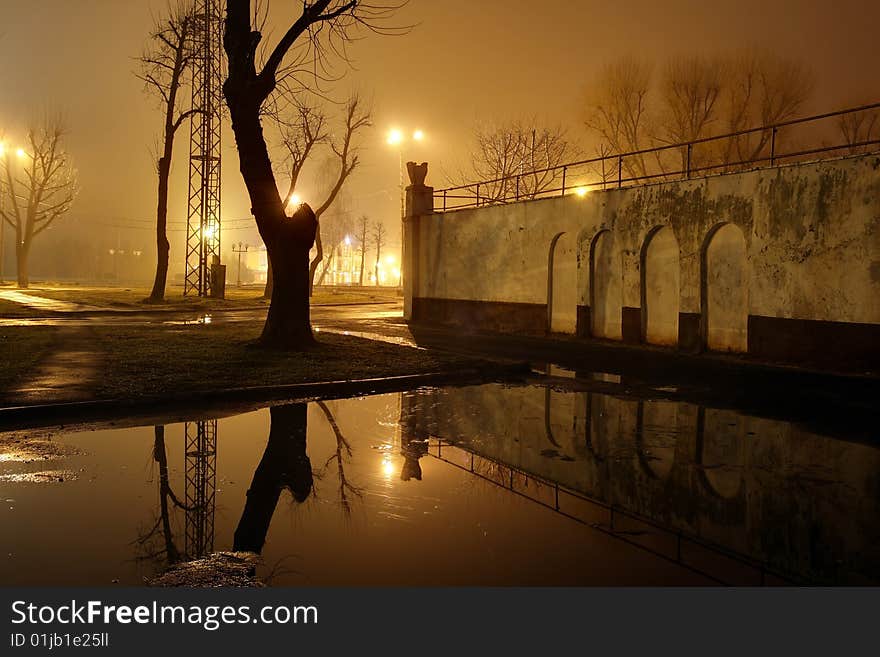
699, 156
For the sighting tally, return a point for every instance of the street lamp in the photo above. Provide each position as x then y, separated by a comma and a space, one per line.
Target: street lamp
241, 249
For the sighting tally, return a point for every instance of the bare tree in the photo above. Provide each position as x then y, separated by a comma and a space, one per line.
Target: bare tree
323, 29
859, 127
357, 117
40, 188
760, 89
363, 225
162, 68
617, 110
336, 226
519, 156
690, 89
379, 242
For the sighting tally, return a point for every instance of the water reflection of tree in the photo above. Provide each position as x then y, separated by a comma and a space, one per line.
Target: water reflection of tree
285, 465
157, 543
343, 450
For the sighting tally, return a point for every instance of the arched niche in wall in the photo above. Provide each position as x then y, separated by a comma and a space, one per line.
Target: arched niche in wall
660, 277
605, 287
562, 284
725, 290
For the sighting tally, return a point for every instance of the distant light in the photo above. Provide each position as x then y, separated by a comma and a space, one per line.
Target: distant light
418, 135
395, 137
2, 149
112, 251
390, 259
582, 191
347, 240
19, 152
210, 232
294, 201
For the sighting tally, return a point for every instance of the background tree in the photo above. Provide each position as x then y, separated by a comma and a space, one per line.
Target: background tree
163, 65
858, 128
617, 110
40, 187
759, 89
363, 225
378, 242
302, 137
630, 109
518, 149
323, 26
690, 89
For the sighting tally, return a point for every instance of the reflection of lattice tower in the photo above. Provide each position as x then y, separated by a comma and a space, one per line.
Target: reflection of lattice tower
203, 218
201, 483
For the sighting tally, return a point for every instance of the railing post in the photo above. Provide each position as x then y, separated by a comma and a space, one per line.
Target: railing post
620, 172
517, 188
444, 200
688, 169
773, 147
564, 172
478, 194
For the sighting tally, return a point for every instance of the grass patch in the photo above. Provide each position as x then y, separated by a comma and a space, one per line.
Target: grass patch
163, 360
21, 350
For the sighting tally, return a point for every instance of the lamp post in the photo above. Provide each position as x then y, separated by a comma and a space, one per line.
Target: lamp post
398, 139
241, 249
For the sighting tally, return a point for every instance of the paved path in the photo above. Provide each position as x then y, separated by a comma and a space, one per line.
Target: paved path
42, 303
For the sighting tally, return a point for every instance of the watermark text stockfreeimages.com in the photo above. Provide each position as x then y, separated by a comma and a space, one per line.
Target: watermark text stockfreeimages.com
209, 617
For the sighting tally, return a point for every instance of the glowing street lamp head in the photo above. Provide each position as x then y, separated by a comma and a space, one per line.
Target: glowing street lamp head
210, 232
19, 152
582, 191
418, 135
395, 137
294, 201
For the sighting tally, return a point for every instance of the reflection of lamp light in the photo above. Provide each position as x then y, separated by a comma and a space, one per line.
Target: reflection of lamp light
387, 466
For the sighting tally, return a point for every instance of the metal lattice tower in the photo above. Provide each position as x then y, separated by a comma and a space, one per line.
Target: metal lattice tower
203, 218
201, 485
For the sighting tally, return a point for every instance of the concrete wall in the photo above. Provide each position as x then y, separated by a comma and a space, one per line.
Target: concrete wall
781, 263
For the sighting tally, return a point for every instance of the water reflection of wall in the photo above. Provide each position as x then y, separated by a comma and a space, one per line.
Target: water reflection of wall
803, 503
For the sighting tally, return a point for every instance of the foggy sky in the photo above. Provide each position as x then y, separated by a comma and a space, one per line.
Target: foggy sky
466, 60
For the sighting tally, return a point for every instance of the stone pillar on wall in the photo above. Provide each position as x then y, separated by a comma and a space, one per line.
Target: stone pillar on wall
419, 202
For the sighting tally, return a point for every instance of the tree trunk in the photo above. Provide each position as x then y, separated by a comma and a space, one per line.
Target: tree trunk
267, 290
363, 258
21, 258
162, 247
319, 256
288, 240
378, 251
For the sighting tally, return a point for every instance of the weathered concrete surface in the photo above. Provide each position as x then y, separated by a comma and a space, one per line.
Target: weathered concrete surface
759, 253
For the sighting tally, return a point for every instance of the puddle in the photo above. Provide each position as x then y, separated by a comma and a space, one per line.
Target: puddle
480, 485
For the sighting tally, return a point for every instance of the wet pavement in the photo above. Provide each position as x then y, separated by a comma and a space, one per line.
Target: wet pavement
535, 484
